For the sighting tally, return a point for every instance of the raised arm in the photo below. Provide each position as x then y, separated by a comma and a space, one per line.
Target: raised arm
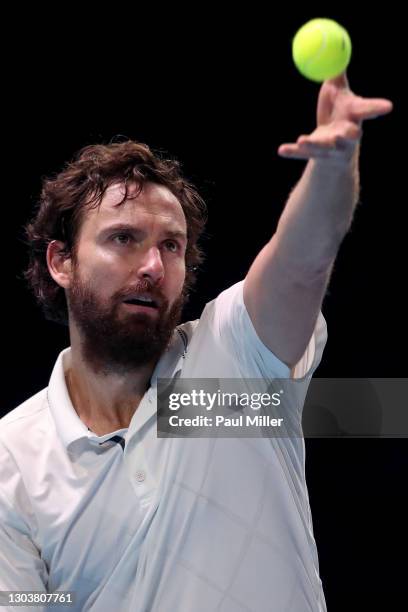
286, 284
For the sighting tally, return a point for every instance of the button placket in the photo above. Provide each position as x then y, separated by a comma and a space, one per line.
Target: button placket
141, 477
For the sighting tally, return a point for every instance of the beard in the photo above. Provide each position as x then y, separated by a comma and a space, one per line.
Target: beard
114, 340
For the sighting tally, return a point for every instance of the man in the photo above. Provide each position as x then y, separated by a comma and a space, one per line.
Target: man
91, 500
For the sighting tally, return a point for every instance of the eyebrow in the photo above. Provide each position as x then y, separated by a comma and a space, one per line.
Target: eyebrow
126, 227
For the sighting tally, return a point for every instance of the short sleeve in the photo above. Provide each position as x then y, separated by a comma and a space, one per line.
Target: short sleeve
238, 333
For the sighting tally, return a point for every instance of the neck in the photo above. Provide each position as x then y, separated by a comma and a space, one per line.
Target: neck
104, 401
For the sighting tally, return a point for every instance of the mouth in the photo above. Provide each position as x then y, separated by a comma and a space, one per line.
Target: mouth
141, 304
144, 302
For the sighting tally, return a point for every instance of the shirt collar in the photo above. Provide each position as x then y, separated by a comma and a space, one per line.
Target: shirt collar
67, 422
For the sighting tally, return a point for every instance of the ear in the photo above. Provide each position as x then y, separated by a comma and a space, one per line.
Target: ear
59, 265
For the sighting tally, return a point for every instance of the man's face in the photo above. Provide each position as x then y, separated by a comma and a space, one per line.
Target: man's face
126, 293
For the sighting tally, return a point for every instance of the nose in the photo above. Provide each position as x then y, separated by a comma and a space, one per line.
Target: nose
151, 265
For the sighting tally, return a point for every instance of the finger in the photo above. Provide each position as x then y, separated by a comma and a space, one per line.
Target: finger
328, 135
330, 89
305, 155
324, 142
289, 150
369, 108
305, 148
294, 151
341, 148
341, 81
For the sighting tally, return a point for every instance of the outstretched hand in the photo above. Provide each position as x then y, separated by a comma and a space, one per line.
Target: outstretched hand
340, 114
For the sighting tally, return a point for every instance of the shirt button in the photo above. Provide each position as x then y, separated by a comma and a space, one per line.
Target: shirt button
140, 476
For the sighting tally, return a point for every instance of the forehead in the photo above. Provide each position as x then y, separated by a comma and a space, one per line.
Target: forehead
155, 204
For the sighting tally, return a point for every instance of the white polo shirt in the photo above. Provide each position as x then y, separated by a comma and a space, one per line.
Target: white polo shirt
163, 524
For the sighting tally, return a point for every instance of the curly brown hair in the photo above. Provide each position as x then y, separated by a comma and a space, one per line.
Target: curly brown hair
81, 185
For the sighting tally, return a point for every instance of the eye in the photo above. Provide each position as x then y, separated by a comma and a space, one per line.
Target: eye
122, 239
172, 246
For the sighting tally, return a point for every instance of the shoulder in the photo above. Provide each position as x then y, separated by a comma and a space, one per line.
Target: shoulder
18, 424
21, 439
226, 340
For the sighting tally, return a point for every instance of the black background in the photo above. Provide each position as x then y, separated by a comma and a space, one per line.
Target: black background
220, 93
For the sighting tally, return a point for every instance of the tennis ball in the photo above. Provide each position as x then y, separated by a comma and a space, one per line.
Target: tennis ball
321, 49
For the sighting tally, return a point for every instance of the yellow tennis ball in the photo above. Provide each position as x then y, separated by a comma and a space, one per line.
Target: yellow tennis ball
321, 49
